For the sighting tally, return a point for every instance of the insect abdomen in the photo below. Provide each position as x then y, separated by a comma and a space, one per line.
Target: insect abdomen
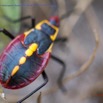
28, 71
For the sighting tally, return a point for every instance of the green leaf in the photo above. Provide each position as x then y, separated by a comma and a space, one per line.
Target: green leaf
8, 8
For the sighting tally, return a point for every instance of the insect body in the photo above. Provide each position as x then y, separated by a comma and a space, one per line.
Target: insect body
26, 56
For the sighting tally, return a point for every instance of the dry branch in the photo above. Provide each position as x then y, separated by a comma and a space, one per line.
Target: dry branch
39, 98
68, 24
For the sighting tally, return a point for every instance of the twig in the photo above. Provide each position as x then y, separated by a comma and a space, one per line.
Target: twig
39, 98
86, 65
61, 7
71, 21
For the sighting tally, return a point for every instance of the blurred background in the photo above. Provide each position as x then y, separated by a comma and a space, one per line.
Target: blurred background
78, 21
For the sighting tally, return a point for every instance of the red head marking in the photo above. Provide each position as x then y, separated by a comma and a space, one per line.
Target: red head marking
55, 20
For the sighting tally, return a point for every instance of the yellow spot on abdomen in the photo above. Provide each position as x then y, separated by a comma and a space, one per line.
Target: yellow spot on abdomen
16, 68
33, 47
22, 60
28, 52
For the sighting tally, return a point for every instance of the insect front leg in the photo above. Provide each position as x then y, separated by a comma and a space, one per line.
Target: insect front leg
22, 19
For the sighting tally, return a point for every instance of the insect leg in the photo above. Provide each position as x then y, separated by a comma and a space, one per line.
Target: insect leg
7, 33
22, 19
44, 75
61, 40
61, 73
